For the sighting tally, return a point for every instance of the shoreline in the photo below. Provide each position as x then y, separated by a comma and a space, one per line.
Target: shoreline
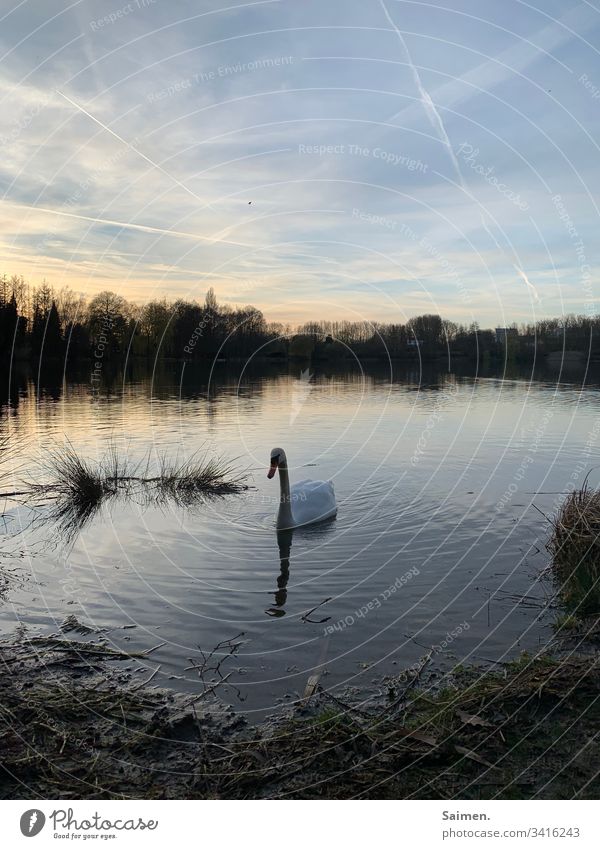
75, 727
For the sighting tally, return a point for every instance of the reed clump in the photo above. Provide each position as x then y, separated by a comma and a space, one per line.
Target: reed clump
75, 480
79, 486
186, 481
575, 548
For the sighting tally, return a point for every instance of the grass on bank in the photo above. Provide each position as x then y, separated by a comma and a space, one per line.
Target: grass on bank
528, 730
575, 548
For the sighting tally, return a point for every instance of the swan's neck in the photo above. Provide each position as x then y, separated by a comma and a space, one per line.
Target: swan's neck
285, 518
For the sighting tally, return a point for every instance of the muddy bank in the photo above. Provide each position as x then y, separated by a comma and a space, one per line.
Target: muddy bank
74, 724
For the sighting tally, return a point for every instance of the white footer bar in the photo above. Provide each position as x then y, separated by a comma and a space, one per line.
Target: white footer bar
301, 825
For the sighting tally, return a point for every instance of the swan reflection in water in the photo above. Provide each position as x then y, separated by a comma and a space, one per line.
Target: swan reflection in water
307, 503
284, 543
315, 533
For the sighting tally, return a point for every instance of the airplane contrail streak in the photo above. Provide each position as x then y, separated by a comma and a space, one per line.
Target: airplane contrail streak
436, 121
519, 270
428, 104
524, 277
145, 228
135, 149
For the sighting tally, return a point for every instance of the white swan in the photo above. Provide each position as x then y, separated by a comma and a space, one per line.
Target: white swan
306, 502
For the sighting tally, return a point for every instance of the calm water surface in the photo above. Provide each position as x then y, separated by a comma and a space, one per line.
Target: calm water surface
435, 475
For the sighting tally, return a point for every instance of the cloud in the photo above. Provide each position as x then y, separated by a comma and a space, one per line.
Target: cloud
174, 120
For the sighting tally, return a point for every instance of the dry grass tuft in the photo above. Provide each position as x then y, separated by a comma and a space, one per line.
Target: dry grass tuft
575, 549
185, 482
80, 486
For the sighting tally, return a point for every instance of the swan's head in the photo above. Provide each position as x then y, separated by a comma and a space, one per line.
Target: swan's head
278, 458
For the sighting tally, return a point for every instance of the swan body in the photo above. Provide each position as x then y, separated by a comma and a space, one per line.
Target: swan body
305, 502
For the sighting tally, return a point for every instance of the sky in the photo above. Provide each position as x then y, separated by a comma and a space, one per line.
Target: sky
347, 159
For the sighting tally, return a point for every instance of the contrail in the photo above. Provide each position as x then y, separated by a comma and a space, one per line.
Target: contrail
522, 274
144, 228
430, 108
516, 58
436, 121
135, 150
14, 9
519, 270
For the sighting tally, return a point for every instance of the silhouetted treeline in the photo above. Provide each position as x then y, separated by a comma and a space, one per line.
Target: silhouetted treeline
41, 324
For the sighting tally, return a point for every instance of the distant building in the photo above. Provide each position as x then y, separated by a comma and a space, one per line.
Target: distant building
503, 334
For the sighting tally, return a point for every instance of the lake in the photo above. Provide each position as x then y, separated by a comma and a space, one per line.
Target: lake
435, 541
